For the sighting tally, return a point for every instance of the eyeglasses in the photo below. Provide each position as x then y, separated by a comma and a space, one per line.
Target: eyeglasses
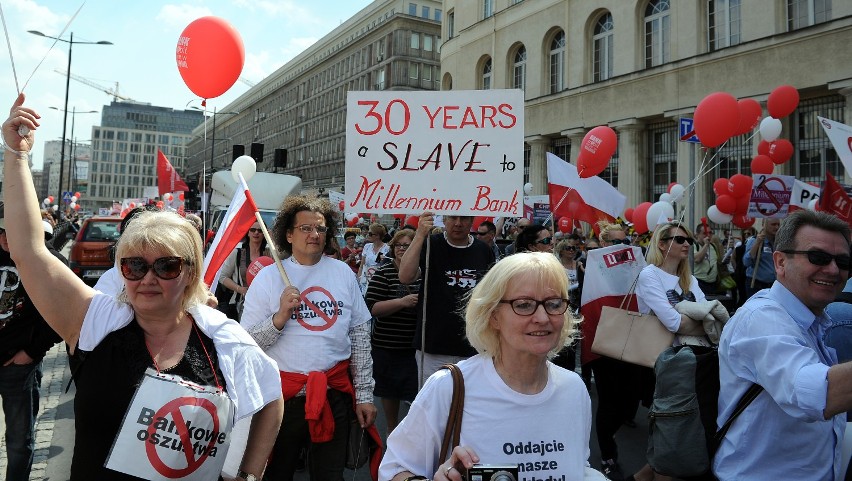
569, 248
308, 229
481, 233
545, 241
166, 268
526, 307
402, 246
822, 258
679, 239
370, 234
622, 241
255, 230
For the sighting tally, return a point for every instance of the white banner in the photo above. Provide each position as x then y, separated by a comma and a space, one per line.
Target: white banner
840, 136
449, 152
803, 193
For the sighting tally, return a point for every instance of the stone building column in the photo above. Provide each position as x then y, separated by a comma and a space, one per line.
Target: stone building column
576, 138
632, 164
538, 163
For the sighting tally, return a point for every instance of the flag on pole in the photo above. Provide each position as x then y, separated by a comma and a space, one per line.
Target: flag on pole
590, 200
235, 225
835, 200
610, 272
168, 179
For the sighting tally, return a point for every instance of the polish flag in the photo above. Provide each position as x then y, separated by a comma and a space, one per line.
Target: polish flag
610, 274
168, 179
590, 200
235, 225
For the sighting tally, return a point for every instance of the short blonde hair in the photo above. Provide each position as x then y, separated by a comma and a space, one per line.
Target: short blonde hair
166, 232
485, 298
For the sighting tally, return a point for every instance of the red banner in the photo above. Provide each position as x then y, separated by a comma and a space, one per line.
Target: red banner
835, 200
168, 179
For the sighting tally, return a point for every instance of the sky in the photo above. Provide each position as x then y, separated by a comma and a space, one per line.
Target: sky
142, 58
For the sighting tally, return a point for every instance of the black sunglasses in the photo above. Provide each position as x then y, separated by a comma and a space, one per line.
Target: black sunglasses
569, 248
621, 241
255, 230
822, 258
679, 239
166, 268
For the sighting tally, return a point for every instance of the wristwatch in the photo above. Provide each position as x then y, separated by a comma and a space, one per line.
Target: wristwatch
246, 476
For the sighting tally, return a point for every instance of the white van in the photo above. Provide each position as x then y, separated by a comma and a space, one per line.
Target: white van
267, 189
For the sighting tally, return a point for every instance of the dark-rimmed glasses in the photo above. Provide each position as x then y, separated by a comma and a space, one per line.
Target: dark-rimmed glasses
554, 306
679, 239
822, 258
624, 241
166, 268
569, 248
402, 246
309, 229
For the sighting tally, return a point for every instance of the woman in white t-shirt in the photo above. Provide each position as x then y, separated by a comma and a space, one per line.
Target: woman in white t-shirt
374, 252
519, 408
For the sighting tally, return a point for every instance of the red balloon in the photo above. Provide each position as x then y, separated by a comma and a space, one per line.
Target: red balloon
742, 205
210, 56
352, 222
743, 221
132, 205
596, 151
762, 164
628, 214
669, 188
750, 112
413, 221
763, 147
717, 118
726, 204
740, 185
50, 198
341, 205
780, 151
782, 101
160, 204
181, 196
565, 225
77, 195
720, 187
76, 206
640, 214
256, 266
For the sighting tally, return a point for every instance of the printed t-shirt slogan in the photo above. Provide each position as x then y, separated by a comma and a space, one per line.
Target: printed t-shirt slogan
449, 152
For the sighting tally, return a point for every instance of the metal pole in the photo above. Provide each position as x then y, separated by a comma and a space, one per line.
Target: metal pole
71, 173
65, 120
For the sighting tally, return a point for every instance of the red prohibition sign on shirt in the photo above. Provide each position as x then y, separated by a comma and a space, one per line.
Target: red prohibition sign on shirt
173, 408
769, 211
329, 320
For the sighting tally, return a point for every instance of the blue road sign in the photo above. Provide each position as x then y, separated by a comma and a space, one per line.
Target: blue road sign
66, 197
687, 131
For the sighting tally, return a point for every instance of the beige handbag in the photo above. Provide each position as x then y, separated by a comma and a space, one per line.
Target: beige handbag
630, 336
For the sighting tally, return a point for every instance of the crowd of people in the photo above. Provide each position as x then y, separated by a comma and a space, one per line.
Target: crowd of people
305, 349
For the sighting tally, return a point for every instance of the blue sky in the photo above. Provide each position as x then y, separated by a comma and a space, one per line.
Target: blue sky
142, 59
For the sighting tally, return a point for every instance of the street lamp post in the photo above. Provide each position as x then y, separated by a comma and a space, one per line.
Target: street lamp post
70, 43
74, 114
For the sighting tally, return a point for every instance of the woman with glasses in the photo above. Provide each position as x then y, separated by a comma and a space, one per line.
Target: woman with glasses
534, 238
372, 254
392, 305
232, 276
144, 347
519, 408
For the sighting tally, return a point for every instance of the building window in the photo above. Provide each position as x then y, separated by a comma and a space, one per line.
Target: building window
424, 12
414, 71
415, 40
519, 69
412, 9
557, 62
723, 23
561, 147
662, 150
657, 32
802, 13
380, 79
735, 158
486, 74
427, 43
487, 8
603, 44
816, 156
451, 25
427, 73
437, 14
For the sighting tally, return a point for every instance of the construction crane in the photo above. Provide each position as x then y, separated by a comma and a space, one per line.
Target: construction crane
107, 90
247, 81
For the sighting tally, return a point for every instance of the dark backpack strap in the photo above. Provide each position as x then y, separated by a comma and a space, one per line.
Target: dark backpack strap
452, 433
743, 403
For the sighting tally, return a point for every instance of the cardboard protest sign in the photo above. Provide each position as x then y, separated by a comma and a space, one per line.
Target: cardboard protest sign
803, 194
840, 136
770, 196
449, 152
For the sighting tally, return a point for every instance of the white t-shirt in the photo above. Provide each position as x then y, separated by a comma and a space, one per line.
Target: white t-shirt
546, 433
369, 263
317, 336
653, 290
251, 379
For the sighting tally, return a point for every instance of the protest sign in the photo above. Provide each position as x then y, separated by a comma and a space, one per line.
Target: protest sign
840, 136
803, 194
770, 196
449, 152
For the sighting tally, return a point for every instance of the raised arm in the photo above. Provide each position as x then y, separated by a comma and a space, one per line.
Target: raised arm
410, 261
60, 296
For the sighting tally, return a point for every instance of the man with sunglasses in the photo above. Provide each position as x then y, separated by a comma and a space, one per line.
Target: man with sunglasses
793, 429
486, 232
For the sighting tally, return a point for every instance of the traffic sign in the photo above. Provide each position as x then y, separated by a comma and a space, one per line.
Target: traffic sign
66, 197
687, 131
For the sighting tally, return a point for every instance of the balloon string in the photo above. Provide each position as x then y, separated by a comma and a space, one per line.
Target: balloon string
9, 45
53, 45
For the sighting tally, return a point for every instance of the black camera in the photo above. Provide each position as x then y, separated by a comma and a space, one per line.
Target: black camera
492, 472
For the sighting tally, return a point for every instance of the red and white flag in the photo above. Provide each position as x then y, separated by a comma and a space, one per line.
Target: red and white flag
235, 225
610, 272
590, 200
835, 200
168, 179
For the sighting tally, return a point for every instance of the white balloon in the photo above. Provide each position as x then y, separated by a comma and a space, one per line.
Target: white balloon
244, 164
55, 208
168, 196
718, 217
73, 199
528, 187
659, 212
73, 204
812, 205
677, 192
46, 201
770, 129
666, 197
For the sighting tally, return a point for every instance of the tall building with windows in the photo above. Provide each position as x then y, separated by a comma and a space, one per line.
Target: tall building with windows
124, 149
640, 65
299, 112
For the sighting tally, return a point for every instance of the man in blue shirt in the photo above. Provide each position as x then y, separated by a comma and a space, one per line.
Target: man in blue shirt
792, 430
758, 255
